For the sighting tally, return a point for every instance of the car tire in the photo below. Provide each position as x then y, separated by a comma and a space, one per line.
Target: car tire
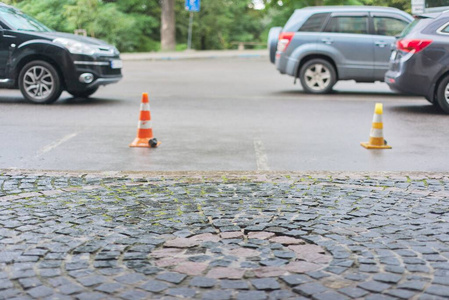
83, 94
442, 100
317, 76
39, 82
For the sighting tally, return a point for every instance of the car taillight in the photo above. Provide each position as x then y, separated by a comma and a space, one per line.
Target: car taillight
412, 46
284, 40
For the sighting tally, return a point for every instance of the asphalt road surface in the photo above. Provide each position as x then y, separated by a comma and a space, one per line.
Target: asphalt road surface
222, 114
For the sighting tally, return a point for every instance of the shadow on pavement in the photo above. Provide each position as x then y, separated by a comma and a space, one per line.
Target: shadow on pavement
339, 93
415, 109
87, 101
62, 101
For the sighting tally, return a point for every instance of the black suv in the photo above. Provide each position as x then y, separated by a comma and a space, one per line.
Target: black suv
42, 63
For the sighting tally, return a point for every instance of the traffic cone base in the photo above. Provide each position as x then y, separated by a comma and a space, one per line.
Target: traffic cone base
143, 143
371, 146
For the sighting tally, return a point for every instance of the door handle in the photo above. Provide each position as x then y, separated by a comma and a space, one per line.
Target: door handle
381, 44
327, 41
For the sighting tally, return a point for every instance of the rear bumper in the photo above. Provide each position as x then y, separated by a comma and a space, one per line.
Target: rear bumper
408, 76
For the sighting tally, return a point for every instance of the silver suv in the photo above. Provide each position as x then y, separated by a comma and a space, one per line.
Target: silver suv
321, 45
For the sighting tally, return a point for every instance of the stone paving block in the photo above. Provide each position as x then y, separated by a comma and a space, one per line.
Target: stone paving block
252, 295
40, 292
438, 290
154, 286
269, 272
89, 281
387, 278
374, 286
413, 285
293, 280
310, 289
234, 284
228, 273
27, 283
266, 284
91, 296
331, 295
401, 294
109, 288
379, 297
353, 292
68, 289
171, 277
203, 282
187, 293
191, 268
217, 295
135, 295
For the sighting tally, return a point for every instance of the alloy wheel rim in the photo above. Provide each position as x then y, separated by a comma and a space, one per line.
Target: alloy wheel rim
317, 77
38, 83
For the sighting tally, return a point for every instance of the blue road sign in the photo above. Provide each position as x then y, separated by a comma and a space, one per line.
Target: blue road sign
193, 5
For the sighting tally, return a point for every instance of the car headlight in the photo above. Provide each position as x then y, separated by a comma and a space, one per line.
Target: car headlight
76, 47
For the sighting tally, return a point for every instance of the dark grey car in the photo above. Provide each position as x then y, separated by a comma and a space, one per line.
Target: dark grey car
419, 64
321, 45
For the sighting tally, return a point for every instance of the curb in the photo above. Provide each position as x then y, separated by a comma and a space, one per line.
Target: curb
187, 55
257, 174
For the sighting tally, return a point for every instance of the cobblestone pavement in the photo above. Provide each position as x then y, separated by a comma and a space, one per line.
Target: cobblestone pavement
223, 236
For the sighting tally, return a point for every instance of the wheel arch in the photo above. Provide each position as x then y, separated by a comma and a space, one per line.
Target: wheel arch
434, 89
309, 57
34, 57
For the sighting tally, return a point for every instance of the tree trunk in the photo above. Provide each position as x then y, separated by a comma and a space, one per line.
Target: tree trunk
168, 38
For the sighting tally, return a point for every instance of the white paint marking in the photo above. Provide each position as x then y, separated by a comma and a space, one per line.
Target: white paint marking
261, 156
56, 144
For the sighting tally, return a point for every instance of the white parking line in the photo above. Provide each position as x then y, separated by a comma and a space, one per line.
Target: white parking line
261, 156
55, 144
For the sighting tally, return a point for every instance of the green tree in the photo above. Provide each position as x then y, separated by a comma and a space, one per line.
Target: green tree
220, 23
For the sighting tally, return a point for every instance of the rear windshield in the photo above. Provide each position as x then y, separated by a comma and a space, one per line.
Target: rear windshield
296, 20
410, 27
20, 21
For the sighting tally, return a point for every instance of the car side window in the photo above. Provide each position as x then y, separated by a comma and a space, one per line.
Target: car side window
314, 23
445, 29
388, 26
348, 24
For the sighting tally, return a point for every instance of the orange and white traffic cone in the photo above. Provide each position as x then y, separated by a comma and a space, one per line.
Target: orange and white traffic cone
376, 138
145, 136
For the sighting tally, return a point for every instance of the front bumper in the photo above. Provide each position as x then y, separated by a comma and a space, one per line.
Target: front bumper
103, 81
104, 70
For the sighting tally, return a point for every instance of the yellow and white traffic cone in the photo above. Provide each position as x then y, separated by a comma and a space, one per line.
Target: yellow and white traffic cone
376, 138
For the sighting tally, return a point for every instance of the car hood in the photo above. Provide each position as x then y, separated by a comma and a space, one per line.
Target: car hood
51, 35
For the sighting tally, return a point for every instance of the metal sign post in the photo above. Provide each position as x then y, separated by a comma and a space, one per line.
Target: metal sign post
192, 6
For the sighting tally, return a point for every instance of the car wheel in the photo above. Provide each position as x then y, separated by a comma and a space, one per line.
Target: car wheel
39, 82
317, 76
83, 94
443, 95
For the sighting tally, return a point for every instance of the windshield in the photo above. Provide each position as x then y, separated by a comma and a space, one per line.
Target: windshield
19, 21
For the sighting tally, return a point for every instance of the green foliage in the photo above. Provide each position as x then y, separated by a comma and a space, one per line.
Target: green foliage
134, 25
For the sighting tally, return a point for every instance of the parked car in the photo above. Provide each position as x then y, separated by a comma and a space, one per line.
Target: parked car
419, 64
42, 63
321, 45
